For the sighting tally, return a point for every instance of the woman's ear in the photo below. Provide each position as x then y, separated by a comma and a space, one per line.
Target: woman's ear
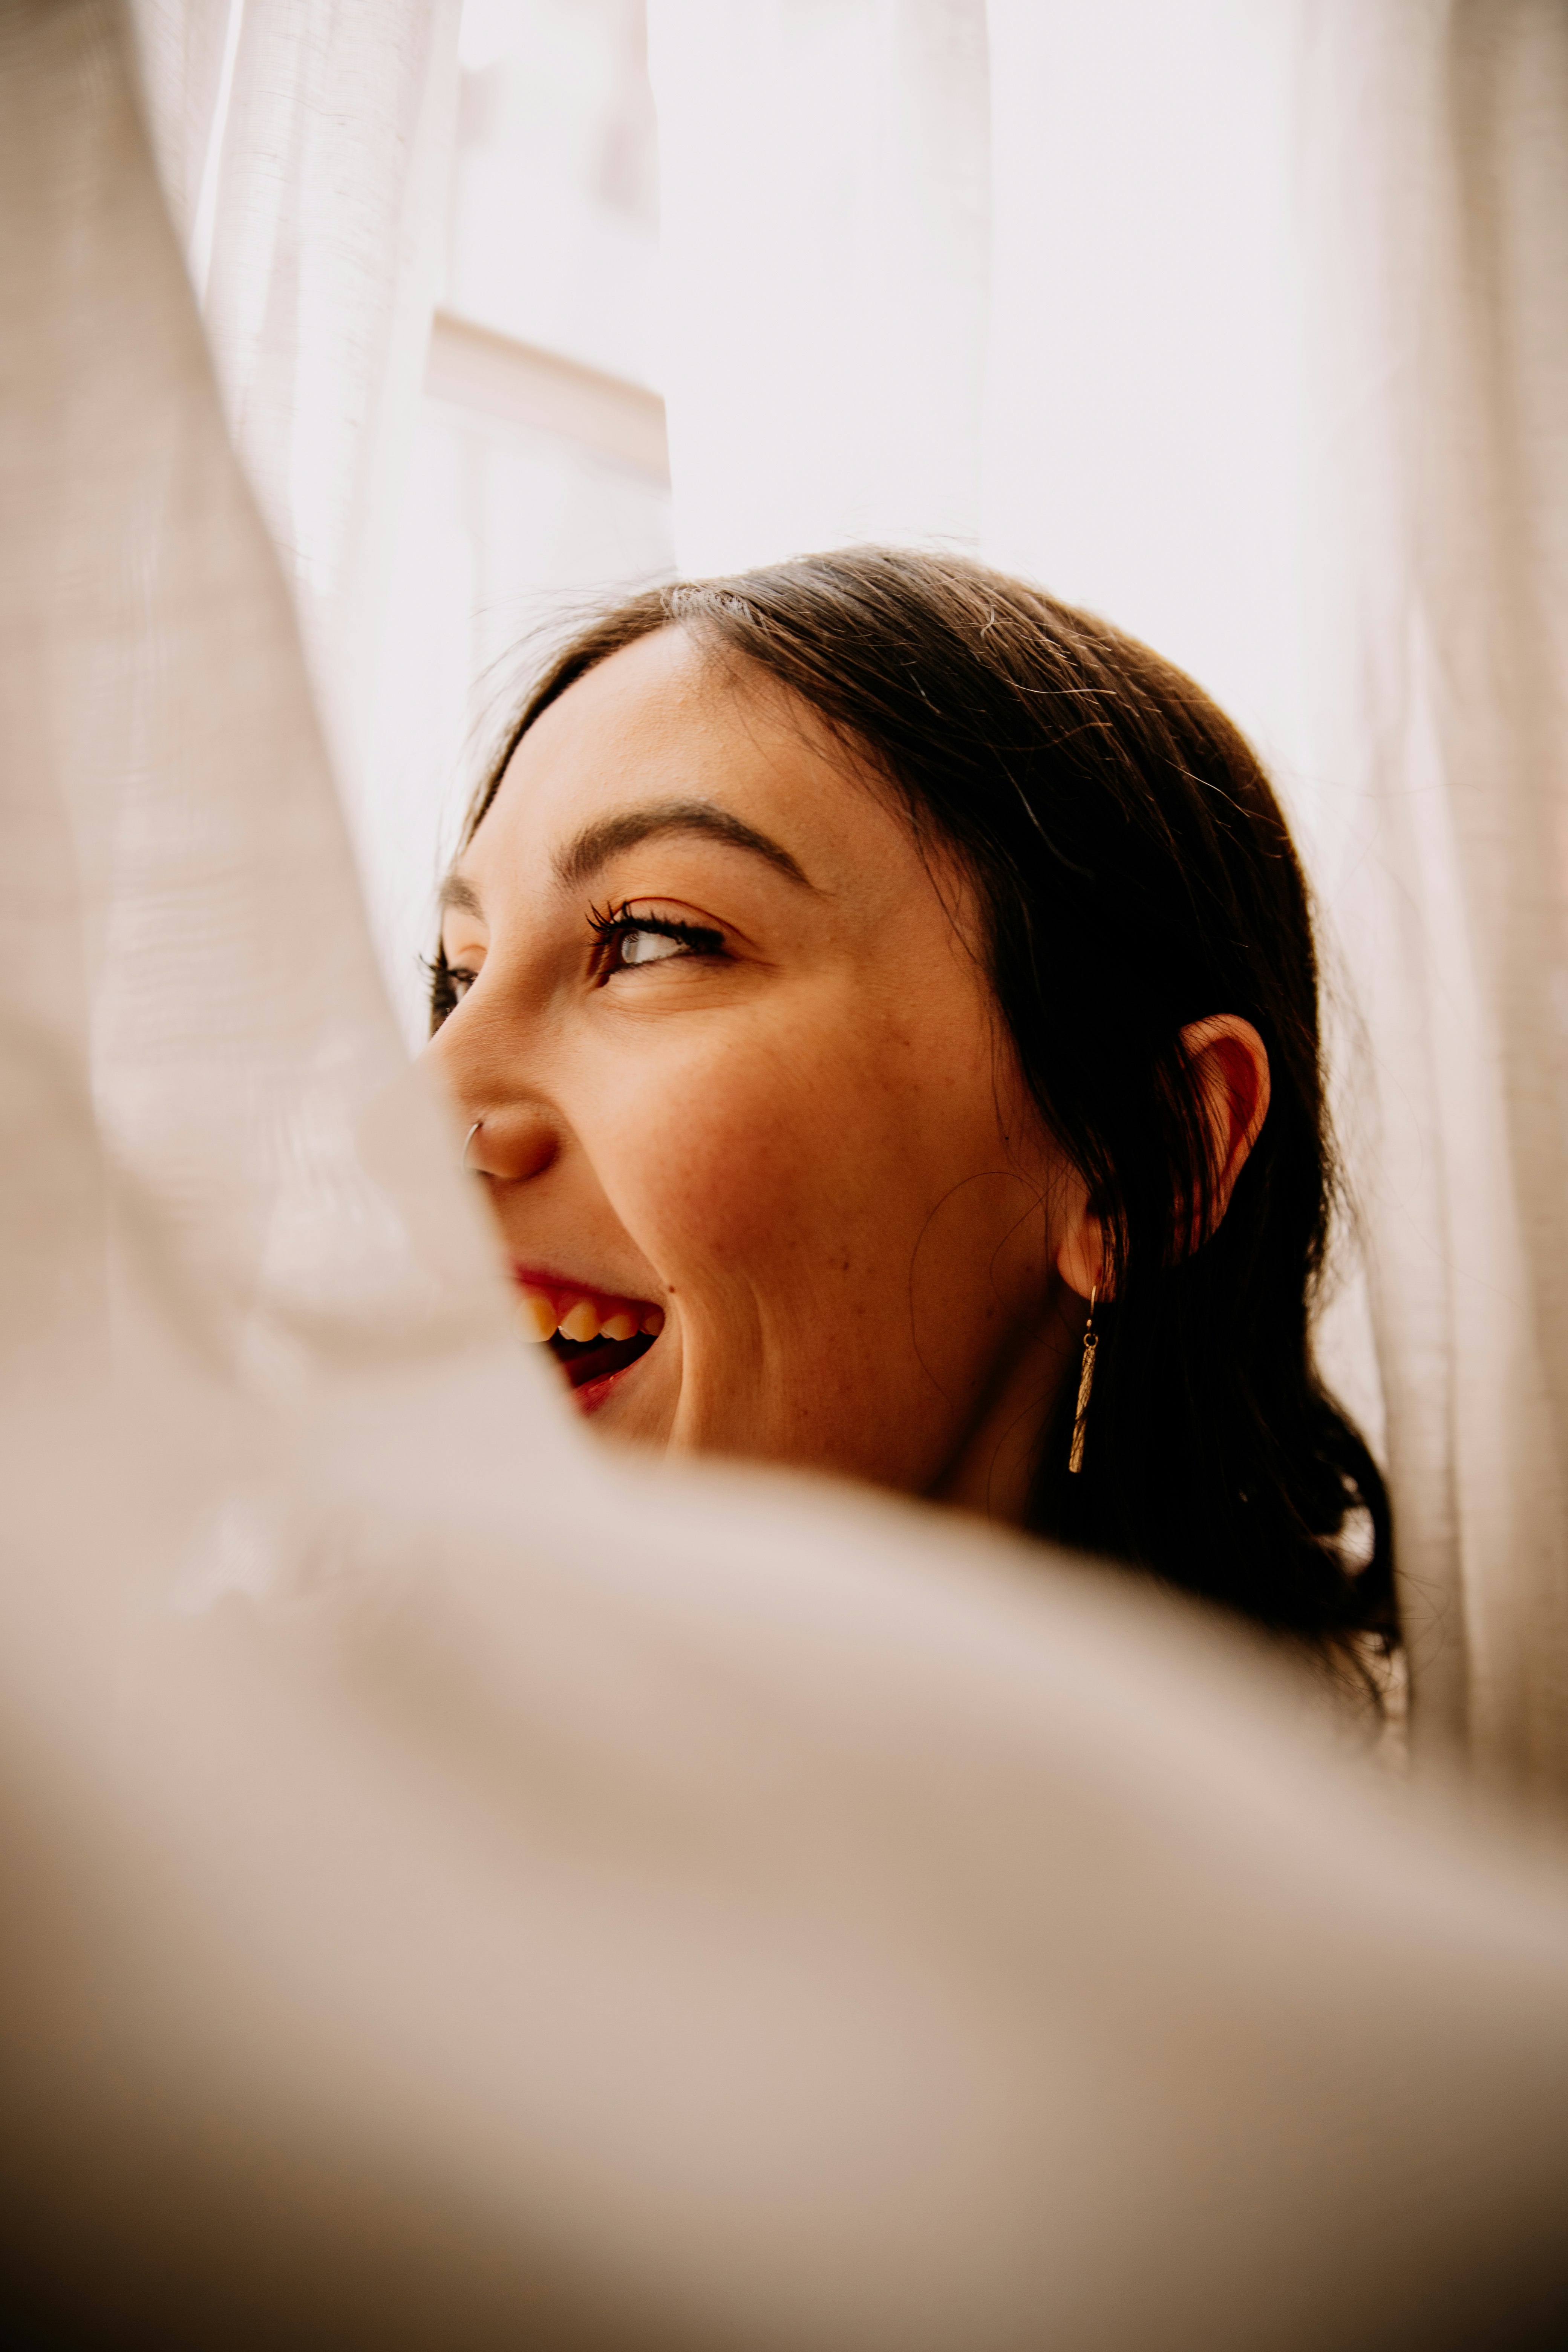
1230, 1062
1080, 1259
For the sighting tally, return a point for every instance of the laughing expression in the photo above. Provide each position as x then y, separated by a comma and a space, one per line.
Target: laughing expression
762, 1169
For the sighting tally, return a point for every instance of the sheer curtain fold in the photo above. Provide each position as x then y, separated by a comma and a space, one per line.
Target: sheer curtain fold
304, 148
1434, 147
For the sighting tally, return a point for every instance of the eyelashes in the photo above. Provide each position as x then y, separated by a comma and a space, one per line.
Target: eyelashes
625, 942
441, 979
621, 942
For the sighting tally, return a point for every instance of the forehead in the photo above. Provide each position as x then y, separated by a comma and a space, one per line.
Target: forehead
665, 720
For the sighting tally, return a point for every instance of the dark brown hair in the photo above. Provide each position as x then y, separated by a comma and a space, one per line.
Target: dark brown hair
1136, 874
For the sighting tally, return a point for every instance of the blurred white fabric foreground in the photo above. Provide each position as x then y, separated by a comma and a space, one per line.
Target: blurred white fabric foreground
457, 1894
1244, 322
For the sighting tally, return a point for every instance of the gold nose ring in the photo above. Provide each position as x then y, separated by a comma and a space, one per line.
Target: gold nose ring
468, 1139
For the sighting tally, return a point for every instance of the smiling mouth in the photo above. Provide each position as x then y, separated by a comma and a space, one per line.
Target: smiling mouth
594, 1336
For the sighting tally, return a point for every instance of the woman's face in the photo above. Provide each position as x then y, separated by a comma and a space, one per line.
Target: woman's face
742, 1087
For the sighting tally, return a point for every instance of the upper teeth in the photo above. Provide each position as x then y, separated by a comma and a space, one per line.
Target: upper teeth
535, 1316
537, 1319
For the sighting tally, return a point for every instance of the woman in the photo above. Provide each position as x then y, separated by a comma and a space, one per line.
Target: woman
883, 1008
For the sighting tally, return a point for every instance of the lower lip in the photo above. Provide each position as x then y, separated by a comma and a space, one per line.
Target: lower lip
594, 1395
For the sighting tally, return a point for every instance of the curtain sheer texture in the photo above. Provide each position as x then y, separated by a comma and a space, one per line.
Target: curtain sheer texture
1246, 324
456, 1889
304, 147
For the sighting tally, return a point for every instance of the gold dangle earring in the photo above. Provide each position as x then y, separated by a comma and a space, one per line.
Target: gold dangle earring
1085, 1382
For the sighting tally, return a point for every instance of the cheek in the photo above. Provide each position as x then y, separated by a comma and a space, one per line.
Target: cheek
799, 1161
734, 1154
824, 1193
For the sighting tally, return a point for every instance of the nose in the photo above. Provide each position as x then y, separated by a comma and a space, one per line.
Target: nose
512, 1130
510, 1144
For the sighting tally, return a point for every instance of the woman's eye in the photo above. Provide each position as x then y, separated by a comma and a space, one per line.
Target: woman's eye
629, 943
648, 947
460, 980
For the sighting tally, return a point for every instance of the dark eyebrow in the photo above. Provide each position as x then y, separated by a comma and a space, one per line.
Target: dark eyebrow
455, 892
598, 843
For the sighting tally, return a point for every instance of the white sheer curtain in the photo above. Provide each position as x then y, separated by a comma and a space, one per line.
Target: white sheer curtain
1246, 325
454, 1891
304, 149
1436, 185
